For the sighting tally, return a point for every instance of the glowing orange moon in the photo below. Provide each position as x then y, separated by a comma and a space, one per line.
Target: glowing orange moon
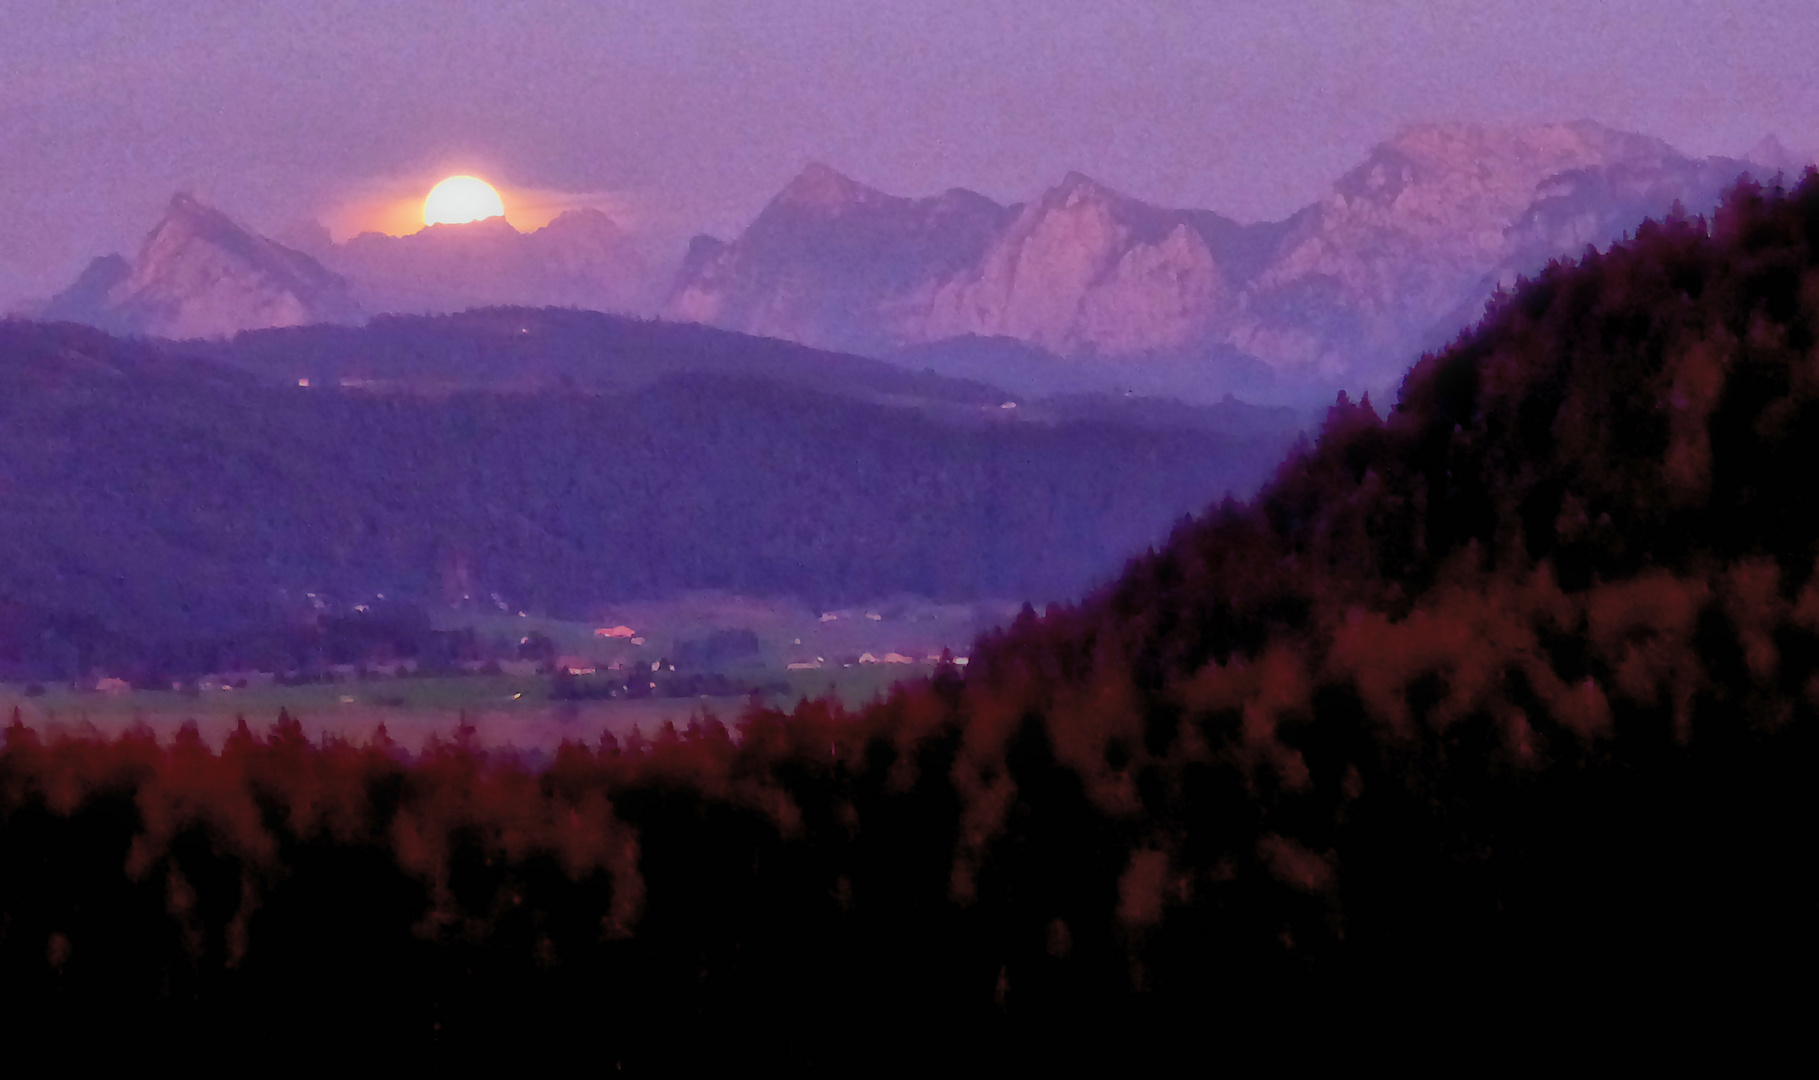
460, 199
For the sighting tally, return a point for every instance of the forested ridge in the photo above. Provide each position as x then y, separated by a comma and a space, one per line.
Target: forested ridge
537, 348
1491, 715
163, 514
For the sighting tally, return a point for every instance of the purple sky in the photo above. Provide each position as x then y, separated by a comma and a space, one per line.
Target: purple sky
686, 115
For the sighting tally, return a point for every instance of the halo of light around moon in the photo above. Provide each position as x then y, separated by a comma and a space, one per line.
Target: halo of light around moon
461, 199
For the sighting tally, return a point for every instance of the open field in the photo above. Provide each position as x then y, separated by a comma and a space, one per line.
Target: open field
504, 710
792, 652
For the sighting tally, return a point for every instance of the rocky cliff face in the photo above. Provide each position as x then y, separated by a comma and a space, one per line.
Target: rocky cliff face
1085, 270
1405, 248
200, 274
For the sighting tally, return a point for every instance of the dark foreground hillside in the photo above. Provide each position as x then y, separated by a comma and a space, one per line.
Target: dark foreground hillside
162, 515
1494, 717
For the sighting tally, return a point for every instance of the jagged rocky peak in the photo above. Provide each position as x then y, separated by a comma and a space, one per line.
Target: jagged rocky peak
834, 263
964, 206
1124, 218
199, 273
819, 187
582, 237
1079, 215
184, 206
1538, 145
1502, 161
1087, 271
187, 220
580, 258
1078, 193
1077, 187
1414, 237
584, 220
584, 258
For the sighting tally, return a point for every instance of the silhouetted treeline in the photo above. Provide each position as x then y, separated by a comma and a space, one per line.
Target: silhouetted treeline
155, 512
1493, 717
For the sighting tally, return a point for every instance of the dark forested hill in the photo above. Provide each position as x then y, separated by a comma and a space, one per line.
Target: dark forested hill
1511, 688
162, 498
530, 350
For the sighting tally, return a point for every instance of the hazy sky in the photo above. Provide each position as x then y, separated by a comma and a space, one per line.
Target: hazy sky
687, 115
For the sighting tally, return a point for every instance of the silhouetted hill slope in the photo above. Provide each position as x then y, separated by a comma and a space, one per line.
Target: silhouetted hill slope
173, 500
1489, 723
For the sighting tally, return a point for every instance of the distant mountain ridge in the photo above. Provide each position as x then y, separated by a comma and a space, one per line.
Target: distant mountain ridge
580, 259
1405, 248
200, 274
1083, 288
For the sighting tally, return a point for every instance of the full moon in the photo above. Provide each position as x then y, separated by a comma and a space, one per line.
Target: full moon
459, 199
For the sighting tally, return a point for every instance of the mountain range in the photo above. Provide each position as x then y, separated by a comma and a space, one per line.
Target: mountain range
1402, 252
1081, 288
